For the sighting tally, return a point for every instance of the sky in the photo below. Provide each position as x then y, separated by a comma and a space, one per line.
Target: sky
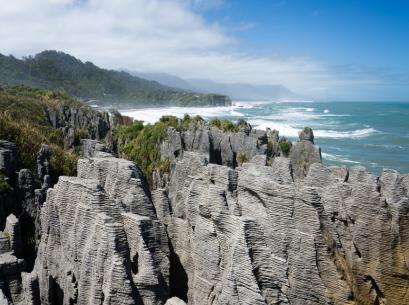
320, 49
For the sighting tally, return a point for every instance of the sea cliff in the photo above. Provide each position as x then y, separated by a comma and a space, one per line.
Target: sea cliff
241, 216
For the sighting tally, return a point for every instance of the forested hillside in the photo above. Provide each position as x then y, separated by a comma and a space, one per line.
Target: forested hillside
84, 80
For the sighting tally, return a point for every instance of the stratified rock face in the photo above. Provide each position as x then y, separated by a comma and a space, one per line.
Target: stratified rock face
97, 124
304, 153
101, 241
93, 148
8, 157
220, 147
70, 119
267, 230
43, 161
11, 265
252, 235
306, 134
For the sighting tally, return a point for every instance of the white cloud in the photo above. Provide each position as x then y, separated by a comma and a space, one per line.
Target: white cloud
153, 35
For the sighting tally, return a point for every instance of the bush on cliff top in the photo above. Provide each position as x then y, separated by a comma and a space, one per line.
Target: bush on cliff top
141, 143
227, 125
22, 122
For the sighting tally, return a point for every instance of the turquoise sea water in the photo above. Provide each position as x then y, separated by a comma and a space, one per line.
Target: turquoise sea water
373, 134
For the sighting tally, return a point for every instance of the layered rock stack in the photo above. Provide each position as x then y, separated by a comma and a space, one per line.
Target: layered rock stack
70, 119
273, 229
254, 236
101, 241
304, 153
73, 119
11, 263
220, 147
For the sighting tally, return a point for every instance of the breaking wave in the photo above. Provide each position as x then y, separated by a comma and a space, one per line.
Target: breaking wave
338, 158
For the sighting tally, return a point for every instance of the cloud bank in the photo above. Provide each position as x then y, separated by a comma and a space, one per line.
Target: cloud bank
158, 36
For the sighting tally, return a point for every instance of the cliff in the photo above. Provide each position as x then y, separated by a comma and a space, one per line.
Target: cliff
240, 218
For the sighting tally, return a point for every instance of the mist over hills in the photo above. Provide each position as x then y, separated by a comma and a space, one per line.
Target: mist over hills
238, 91
84, 80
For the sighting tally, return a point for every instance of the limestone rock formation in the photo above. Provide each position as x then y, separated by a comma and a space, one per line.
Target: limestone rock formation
43, 161
101, 241
93, 148
8, 157
69, 119
306, 134
175, 301
11, 265
268, 230
220, 147
253, 235
304, 153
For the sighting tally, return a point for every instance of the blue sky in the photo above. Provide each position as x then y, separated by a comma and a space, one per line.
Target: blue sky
369, 36
323, 50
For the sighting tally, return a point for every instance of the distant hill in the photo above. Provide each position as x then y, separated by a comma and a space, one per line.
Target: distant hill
166, 79
86, 81
238, 91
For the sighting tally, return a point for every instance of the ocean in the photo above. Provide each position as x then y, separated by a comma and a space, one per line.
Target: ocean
372, 134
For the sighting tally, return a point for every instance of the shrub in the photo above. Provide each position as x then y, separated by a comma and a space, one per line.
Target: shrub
215, 123
141, 143
6, 234
198, 119
80, 134
228, 126
284, 146
22, 122
142, 146
4, 185
163, 166
241, 123
187, 121
241, 158
170, 120
63, 162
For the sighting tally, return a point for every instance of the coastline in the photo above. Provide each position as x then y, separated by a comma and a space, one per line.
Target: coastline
349, 133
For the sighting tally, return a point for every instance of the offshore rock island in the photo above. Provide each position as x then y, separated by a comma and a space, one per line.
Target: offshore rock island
211, 213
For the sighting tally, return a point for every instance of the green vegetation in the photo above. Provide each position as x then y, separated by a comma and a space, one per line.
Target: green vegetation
284, 146
227, 125
80, 134
6, 234
22, 122
241, 158
215, 123
141, 144
57, 70
4, 185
